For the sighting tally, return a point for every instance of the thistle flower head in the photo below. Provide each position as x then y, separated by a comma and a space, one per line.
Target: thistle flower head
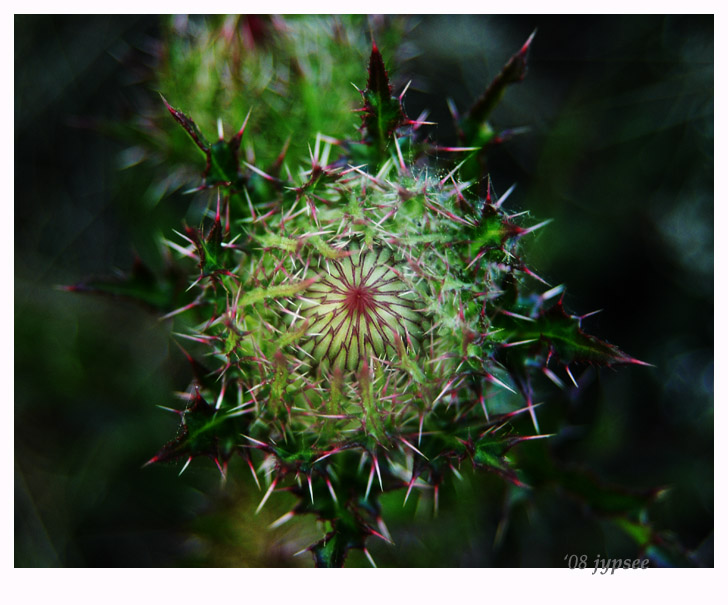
358, 308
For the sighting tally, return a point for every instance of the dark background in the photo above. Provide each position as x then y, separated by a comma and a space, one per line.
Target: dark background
617, 148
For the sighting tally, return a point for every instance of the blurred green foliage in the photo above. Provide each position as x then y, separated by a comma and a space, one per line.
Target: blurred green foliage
617, 148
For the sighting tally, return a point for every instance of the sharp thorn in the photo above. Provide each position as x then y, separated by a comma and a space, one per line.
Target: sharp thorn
369, 482
266, 496
282, 519
184, 468
366, 552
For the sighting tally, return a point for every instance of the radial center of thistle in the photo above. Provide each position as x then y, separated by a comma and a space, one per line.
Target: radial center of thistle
359, 299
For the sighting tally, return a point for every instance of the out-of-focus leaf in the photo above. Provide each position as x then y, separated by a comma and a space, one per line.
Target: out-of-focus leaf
189, 125
474, 127
158, 292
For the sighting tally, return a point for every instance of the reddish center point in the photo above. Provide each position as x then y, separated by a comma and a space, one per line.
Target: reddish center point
359, 299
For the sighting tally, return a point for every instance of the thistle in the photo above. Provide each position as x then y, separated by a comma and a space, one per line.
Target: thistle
366, 319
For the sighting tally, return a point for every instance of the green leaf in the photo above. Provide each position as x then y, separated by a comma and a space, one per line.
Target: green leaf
331, 551
222, 163
348, 532
273, 240
382, 113
553, 332
490, 453
189, 125
474, 126
205, 431
282, 291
